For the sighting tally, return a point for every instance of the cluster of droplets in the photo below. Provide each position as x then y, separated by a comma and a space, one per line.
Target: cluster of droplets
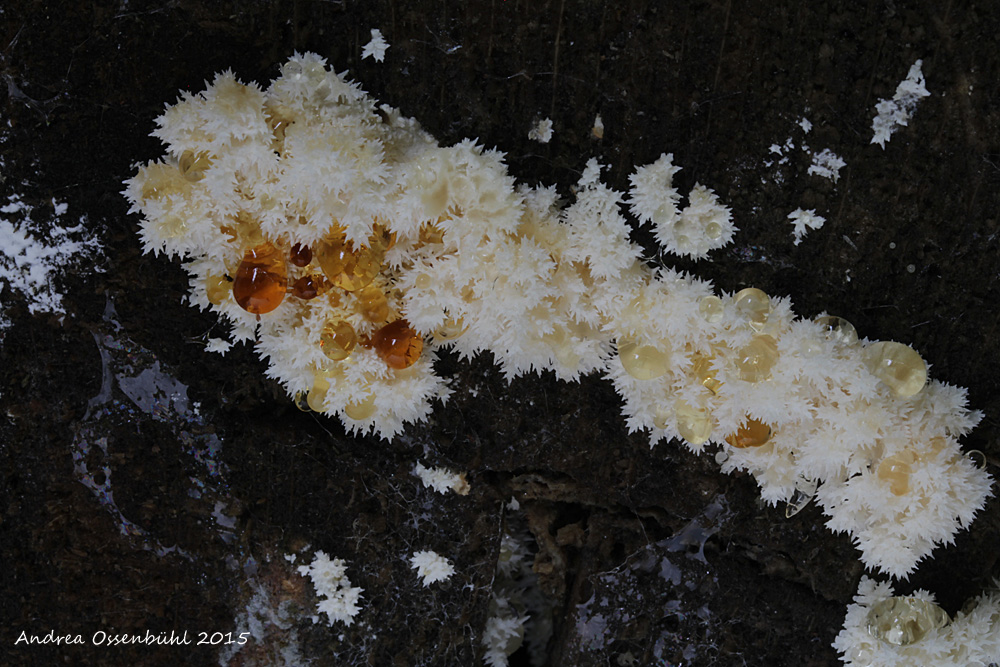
898, 367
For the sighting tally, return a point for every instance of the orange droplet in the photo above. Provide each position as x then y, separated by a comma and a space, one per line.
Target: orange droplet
346, 267
398, 344
751, 433
261, 279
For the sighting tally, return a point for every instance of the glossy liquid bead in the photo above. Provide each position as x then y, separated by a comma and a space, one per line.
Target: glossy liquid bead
346, 267
316, 398
898, 366
261, 279
300, 255
902, 621
896, 471
338, 340
805, 490
711, 308
753, 305
450, 329
373, 304
838, 329
756, 360
702, 369
217, 288
643, 362
362, 409
161, 180
398, 344
751, 433
307, 287
694, 424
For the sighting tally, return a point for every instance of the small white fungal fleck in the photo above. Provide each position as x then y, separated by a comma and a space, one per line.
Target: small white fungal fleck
827, 164
218, 345
376, 47
542, 131
895, 113
804, 221
431, 567
442, 480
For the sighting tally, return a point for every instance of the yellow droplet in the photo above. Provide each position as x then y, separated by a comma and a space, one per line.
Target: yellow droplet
161, 180
346, 267
361, 410
316, 398
373, 303
172, 226
338, 339
713, 230
643, 362
751, 433
711, 308
902, 621
450, 329
217, 288
301, 402
896, 470
422, 281
693, 423
702, 369
838, 329
898, 366
753, 305
661, 418
756, 360
261, 279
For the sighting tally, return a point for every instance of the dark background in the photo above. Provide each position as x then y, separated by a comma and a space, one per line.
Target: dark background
715, 83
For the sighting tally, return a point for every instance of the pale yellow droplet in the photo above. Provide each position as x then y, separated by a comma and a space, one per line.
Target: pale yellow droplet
896, 470
902, 621
838, 329
361, 410
751, 433
422, 281
450, 329
643, 362
702, 369
711, 308
338, 339
316, 398
217, 288
713, 230
753, 305
693, 423
756, 360
898, 366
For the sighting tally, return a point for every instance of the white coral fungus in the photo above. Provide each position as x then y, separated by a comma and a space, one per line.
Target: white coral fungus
971, 638
803, 221
895, 113
431, 567
442, 480
376, 48
441, 244
329, 578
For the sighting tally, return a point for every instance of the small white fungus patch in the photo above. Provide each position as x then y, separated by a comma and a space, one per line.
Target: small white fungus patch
329, 578
803, 221
376, 47
431, 567
895, 113
542, 131
442, 480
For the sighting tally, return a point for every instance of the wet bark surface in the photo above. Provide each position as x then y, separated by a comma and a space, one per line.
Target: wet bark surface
147, 485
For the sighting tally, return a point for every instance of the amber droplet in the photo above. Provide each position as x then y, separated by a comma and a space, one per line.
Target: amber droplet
902, 621
398, 344
373, 304
838, 329
217, 288
693, 423
346, 267
338, 340
896, 471
193, 166
300, 255
643, 362
898, 366
301, 402
362, 409
307, 287
751, 433
260, 280
756, 360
